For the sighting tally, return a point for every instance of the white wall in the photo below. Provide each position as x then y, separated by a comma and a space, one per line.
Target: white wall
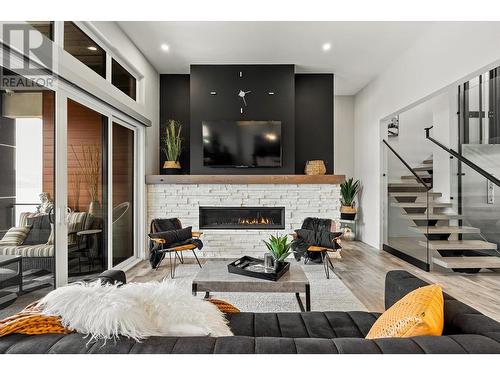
149, 95
183, 201
448, 52
343, 149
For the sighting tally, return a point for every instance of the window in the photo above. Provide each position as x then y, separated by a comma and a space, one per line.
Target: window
82, 47
46, 28
123, 80
27, 188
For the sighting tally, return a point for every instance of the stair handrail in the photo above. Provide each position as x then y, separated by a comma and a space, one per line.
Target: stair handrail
419, 179
463, 159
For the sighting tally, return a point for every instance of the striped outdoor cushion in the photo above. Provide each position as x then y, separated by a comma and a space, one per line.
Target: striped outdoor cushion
76, 223
15, 236
23, 218
28, 250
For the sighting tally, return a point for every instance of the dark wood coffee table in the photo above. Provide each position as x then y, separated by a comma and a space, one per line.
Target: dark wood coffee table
214, 277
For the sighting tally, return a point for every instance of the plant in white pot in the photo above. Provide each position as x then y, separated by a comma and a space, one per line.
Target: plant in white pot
348, 191
172, 147
279, 247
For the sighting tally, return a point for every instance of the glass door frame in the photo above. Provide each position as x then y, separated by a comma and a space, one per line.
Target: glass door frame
137, 223
63, 94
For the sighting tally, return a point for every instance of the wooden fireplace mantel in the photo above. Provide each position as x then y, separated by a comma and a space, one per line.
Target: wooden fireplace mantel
332, 179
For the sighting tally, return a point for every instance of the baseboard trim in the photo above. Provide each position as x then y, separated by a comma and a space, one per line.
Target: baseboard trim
407, 258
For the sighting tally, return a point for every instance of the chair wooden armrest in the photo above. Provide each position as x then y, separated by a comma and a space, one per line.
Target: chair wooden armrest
182, 248
197, 234
317, 248
158, 240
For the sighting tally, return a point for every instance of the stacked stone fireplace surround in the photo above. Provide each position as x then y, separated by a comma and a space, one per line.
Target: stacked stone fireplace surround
300, 201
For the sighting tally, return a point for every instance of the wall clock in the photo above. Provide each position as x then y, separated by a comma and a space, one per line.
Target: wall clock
242, 94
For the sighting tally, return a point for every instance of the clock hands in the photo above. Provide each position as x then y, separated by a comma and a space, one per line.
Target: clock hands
242, 94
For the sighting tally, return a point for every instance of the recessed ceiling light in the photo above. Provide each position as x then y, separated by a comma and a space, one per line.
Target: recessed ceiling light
165, 47
92, 48
327, 47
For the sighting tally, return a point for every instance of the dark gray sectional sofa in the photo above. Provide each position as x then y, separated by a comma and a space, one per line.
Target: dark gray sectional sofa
466, 331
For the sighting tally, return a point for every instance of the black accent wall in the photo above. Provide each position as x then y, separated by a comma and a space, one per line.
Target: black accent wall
174, 104
302, 102
226, 81
313, 120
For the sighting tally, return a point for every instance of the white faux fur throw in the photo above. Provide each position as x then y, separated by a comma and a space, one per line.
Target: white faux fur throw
135, 310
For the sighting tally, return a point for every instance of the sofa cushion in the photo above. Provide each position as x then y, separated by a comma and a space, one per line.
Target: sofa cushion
174, 236
303, 325
419, 313
28, 251
75, 343
320, 238
40, 230
15, 236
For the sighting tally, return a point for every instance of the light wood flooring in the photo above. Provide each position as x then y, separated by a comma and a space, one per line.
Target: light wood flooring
363, 268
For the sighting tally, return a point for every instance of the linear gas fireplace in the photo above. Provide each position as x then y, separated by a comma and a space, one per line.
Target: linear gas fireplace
242, 217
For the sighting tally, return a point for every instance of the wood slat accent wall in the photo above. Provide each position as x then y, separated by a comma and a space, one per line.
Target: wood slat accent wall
85, 127
48, 118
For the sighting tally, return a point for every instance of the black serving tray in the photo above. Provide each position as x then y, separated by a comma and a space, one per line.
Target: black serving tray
240, 266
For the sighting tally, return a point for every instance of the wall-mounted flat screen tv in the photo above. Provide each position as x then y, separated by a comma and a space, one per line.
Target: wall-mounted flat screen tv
242, 144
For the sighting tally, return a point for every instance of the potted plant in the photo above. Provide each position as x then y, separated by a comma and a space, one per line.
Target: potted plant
89, 159
279, 247
172, 146
348, 191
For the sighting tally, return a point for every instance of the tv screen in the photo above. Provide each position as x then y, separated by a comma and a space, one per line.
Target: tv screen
242, 144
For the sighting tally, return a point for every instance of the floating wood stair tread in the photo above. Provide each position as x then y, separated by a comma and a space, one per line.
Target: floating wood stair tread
413, 194
432, 216
428, 161
459, 245
444, 229
412, 177
421, 204
423, 168
405, 184
467, 262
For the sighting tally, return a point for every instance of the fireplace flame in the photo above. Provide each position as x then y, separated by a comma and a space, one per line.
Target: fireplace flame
255, 221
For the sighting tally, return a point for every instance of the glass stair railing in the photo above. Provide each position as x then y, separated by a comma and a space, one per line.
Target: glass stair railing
410, 206
471, 243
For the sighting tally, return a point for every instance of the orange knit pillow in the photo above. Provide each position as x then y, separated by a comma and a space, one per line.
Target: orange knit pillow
31, 322
224, 306
419, 313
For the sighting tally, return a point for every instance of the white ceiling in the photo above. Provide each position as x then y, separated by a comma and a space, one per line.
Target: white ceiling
359, 50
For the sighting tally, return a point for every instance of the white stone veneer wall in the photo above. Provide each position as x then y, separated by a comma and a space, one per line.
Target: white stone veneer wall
300, 201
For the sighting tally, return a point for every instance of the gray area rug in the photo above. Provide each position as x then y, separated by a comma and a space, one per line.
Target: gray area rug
326, 294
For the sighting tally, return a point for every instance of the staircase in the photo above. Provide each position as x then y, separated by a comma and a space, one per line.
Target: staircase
441, 227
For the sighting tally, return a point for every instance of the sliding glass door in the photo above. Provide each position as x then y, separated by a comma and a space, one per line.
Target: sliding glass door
87, 190
123, 192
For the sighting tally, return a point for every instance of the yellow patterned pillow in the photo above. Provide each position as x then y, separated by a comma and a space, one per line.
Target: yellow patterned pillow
419, 313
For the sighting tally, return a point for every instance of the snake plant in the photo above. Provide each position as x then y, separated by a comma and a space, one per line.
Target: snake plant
348, 190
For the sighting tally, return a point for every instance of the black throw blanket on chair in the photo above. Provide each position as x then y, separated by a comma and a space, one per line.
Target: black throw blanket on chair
158, 226
314, 232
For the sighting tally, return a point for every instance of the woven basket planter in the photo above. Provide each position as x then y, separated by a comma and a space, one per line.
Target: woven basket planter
315, 167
